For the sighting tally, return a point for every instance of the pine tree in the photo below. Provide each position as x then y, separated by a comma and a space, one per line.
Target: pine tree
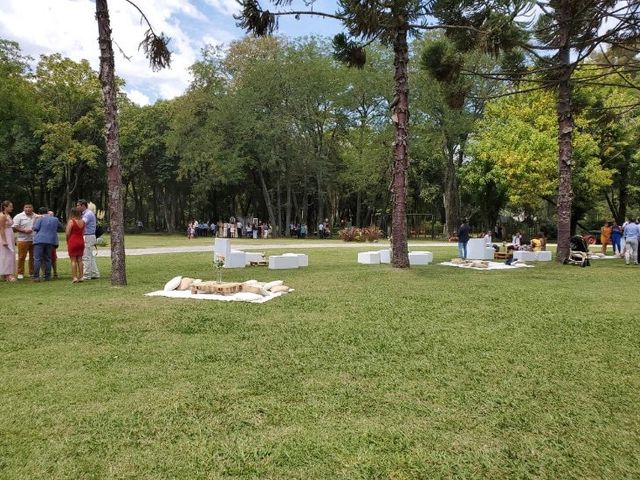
155, 47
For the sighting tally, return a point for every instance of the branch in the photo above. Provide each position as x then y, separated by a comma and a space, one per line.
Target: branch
156, 48
310, 13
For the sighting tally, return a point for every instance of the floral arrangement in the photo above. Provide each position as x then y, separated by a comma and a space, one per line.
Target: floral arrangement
218, 264
354, 234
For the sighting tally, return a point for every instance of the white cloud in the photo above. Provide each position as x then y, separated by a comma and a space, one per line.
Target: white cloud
136, 96
69, 27
227, 7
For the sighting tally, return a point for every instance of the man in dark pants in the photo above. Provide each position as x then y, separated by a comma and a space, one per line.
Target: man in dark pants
45, 238
463, 238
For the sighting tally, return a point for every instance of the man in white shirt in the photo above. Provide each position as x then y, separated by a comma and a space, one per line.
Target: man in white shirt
23, 226
89, 261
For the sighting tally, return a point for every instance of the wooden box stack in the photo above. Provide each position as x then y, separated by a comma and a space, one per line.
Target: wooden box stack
215, 287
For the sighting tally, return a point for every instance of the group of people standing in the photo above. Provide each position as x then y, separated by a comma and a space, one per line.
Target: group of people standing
233, 229
624, 239
36, 236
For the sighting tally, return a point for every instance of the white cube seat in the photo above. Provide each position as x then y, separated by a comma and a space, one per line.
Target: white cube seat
369, 258
253, 257
477, 249
235, 259
544, 256
420, 258
303, 259
222, 246
281, 262
524, 256
385, 256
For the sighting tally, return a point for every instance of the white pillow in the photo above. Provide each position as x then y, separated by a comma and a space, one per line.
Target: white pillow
255, 289
280, 288
275, 283
247, 296
172, 284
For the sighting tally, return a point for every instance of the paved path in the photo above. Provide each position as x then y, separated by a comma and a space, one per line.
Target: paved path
106, 251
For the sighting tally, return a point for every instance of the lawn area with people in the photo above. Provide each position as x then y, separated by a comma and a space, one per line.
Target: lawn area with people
364, 371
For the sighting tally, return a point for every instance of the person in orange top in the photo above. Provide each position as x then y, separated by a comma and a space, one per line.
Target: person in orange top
605, 236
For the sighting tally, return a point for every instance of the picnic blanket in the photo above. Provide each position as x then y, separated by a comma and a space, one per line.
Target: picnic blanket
490, 266
236, 297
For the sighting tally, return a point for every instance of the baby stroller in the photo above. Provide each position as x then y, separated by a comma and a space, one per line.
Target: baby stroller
579, 254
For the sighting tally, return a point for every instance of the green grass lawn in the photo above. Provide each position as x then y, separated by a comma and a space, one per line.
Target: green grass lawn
362, 372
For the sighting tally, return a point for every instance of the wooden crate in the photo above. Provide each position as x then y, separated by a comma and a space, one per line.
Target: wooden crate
215, 287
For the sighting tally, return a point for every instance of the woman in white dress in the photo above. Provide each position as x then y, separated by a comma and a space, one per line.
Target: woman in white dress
7, 243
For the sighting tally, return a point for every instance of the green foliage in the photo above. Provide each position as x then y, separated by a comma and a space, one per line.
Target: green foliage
20, 116
348, 51
71, 132
518, 140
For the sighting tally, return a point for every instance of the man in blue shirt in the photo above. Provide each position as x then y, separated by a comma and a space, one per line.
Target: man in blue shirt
631, 235
45, 238
89, 261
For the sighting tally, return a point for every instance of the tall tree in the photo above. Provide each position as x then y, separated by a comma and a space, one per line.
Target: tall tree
155, 48
71, 145
516, 147
563, 34
392, 22
20, 117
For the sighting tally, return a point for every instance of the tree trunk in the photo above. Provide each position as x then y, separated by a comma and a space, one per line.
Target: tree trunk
451, 203
278, 225
400, 117
114, 168
287, 218
358, 209
565, 135
305, 205
320, 210
267, 198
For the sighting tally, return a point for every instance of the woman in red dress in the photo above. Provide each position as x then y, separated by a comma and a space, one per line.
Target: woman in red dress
75, 243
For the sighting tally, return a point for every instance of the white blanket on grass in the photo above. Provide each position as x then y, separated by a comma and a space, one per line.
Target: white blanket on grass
490, 266
236, 297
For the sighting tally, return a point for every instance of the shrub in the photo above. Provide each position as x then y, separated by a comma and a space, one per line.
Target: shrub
349, 234
372, 233
354, 234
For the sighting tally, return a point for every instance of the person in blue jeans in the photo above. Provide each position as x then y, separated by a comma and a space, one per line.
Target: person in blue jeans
463, 238
631, 235
46, 237
616, 236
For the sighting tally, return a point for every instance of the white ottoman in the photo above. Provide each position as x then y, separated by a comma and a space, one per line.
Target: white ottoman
303, 259
544, 256
235, 259
477, 249
385, 256
369, 258
253, 257
420, 258
524, 256
281, 262
222, 246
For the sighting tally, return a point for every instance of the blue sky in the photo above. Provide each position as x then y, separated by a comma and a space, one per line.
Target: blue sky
69, 27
